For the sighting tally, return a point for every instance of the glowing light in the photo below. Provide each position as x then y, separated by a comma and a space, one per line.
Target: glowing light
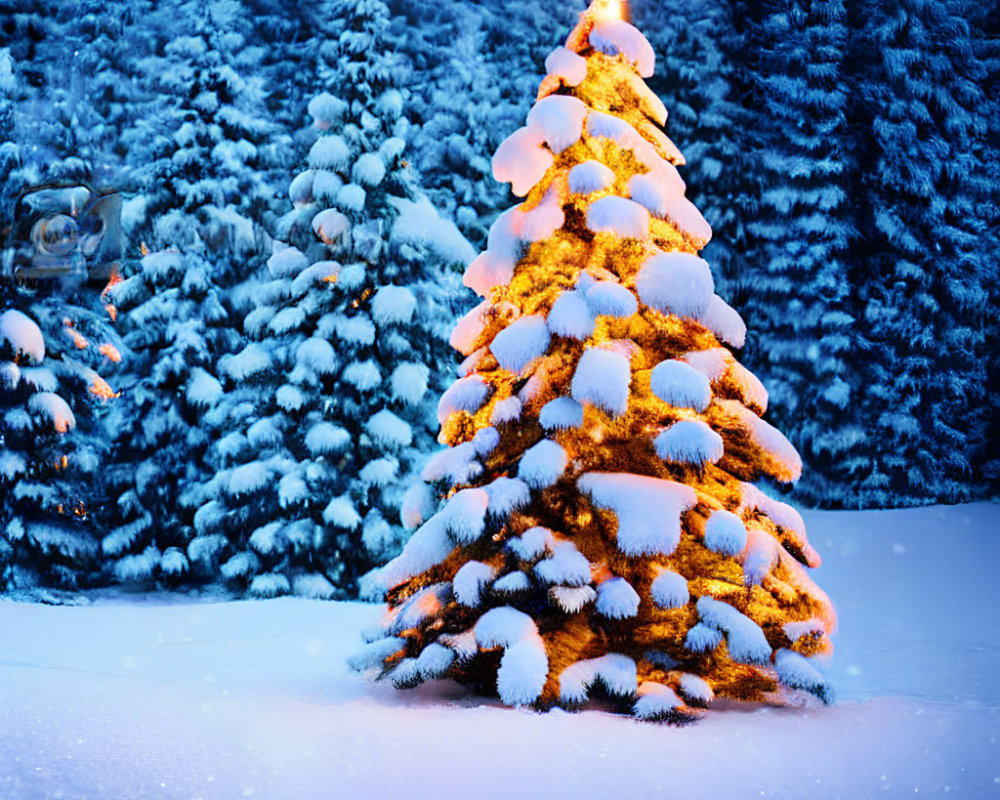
79, 341
110, 351
604, 10
100, 388
113, 281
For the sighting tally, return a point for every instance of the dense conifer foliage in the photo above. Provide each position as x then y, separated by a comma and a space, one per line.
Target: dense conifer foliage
844, 154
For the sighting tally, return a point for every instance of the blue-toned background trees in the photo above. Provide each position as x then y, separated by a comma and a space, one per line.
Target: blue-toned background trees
845, 154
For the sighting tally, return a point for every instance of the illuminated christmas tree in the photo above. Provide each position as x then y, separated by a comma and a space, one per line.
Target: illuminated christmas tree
599, 529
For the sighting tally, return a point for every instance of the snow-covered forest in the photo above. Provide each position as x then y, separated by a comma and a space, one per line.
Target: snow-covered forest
539, 326
245, 398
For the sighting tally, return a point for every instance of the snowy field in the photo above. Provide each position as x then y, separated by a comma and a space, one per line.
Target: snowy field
166, 697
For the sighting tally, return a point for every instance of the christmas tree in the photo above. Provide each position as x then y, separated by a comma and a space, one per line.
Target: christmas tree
599, 529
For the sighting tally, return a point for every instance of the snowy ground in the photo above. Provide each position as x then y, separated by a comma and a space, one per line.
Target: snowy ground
167, 698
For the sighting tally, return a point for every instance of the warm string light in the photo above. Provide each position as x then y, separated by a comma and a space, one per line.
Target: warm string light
100, 388
113, 281
109, 351
79, 340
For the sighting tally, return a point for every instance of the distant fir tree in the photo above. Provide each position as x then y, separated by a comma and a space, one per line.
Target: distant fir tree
327, 410
600, 536
175, 327
204, 152
800, 230
52, 446
924, 280
59, 342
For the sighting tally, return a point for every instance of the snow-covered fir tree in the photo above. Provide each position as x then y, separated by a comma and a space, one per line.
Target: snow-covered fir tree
600, 531
175, 326
203, 151
51, 441
800, 231
924, 277
328, 410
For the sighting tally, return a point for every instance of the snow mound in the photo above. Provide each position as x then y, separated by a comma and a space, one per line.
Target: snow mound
325, 109
458, 464
524, 666
408, 382
688, 219
465, 394
329, 225
614, 36
507, 495
654, 193
393, 305
329, 152
469, 581
725, 533
487, 271
566, 566
204, 389
624, 218
520, 343
689, 441
602, 378
680, 385
485, 441
561, 413
506, 410
368, 170
521, 160
512, 583
542, 464
783, 460
22, 335
469, 328
676, 283
669, 589
316, 355
746, 641
648, 509
566, 65
616, 599
324, 438
53, 408
464, 514
590, 176
795, 671
723, 320
615, 671
655, 701
571, 316
758, 557
388, 430
559, 118
428, 546
607, 298
419, 223
543, 220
